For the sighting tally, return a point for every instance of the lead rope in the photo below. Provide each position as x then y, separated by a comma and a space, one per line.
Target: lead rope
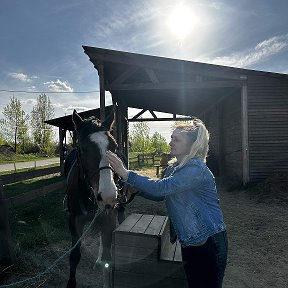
54, 264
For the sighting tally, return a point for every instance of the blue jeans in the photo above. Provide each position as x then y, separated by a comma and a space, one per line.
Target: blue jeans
205, 265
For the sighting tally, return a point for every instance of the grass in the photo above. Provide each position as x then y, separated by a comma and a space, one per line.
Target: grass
39, 223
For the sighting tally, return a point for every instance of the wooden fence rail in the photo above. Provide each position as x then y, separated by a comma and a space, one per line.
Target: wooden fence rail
21, 176
142, 159
34, 194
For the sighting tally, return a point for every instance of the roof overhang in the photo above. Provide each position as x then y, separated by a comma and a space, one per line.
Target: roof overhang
165, 84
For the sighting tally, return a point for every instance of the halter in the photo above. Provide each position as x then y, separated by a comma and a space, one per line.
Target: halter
104, 168
120, 184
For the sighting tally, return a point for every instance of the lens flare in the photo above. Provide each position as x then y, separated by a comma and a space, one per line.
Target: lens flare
181, 22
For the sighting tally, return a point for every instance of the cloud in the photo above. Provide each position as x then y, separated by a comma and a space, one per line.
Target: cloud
21, 77
261, 52
59, 86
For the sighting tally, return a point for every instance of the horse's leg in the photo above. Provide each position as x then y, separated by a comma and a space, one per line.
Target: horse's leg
108, 225
76, 230
121, 214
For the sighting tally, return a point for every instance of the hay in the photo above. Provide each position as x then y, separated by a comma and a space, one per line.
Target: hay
273, 188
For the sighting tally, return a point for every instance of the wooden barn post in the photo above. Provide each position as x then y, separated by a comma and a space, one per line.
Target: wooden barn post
61, 149
245, 143
100, 68
6, 251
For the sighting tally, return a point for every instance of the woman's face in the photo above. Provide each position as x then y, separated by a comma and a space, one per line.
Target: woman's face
179, 144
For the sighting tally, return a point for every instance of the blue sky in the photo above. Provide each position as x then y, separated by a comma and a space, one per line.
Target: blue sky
40, 41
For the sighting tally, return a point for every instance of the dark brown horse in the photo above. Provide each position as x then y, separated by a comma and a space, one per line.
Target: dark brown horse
91, 188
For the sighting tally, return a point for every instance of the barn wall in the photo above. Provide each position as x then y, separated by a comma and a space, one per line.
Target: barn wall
224, 124
232, 137
211, 120
268, 126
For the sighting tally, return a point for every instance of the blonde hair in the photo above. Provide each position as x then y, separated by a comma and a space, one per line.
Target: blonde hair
198, 136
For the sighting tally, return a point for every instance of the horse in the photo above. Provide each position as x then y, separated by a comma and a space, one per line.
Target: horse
91, 188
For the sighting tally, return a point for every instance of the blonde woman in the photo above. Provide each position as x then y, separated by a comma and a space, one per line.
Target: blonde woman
190, 194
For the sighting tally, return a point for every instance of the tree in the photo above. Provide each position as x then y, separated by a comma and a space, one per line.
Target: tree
140, 138
15, 123
2, 138
158, 143
141, 141
42, 132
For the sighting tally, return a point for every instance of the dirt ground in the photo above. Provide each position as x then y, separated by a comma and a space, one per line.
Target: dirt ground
257, 233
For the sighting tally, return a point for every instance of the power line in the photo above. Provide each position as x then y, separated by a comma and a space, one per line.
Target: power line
49, 92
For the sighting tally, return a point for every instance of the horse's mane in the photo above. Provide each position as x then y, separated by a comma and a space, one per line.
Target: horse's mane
91, 125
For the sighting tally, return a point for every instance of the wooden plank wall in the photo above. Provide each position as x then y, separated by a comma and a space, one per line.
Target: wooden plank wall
268, 126
225, 148
212, 124
232, 137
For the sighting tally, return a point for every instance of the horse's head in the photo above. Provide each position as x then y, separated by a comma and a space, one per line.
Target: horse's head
94, 139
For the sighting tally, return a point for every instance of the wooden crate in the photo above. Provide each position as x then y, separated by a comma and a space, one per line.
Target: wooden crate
142, 255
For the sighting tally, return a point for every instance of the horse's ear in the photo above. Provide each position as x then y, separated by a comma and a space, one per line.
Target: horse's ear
108, 122
77, 120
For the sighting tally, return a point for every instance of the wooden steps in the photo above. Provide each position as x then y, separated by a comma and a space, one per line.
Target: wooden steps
143, 255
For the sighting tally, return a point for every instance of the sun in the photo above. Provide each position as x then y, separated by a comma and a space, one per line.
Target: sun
181, 21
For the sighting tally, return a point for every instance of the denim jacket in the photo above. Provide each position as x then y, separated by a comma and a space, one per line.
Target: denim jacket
191, 199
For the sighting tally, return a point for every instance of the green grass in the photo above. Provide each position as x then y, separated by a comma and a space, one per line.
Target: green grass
39, 223
18, 188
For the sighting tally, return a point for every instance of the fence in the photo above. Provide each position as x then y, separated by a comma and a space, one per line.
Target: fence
21, 176
142, 159
6, 253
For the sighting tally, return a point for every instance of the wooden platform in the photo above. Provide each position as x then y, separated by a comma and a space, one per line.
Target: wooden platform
144, 256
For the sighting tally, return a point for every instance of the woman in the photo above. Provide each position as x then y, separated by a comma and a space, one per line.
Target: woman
189, 190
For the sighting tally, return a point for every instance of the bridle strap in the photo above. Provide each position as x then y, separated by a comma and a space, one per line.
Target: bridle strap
105, 167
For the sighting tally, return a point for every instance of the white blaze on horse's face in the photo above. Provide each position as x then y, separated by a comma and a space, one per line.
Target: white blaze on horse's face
107, 187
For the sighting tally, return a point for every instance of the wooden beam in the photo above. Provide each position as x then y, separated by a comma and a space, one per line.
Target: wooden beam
152, 75
245, 139
173, 85
100, 68
61, 149
159, 119
124, 76
153, 114
139, 114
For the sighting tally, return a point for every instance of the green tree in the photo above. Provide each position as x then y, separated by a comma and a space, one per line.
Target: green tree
14, 124
42, 132
139, 138
2, 138
158, 143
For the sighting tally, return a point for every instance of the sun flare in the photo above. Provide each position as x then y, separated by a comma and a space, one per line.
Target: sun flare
181, 21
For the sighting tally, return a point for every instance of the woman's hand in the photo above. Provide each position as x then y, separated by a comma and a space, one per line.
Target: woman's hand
117, 165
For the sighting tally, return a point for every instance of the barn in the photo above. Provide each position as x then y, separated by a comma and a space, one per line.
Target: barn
246, 111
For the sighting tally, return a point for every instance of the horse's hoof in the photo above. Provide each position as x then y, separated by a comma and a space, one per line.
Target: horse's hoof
71, 283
